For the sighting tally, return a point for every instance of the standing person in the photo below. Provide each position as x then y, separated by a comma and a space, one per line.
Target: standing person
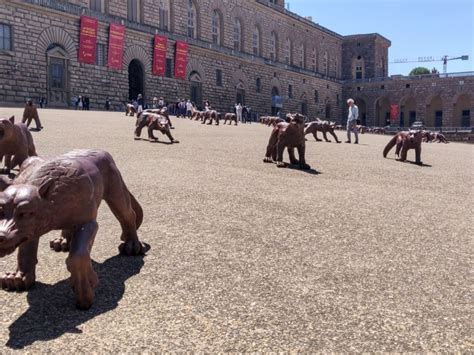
31, 113
176, 108
207, 106
189, 109
42, 99
182, 108
107, 103
80, 103
238, 111
244, 113
249, 114
352, 121
154, 104
161, 103
140, 104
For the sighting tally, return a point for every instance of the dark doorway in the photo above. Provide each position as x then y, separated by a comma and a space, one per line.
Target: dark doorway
240, 96
412, 117
304, 108
196, 93
466, 118
402, 119
135, 80
328, 112
196, 89
58, 92
439, 119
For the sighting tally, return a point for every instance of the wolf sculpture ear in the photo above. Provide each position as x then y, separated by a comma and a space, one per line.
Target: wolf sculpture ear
12, 119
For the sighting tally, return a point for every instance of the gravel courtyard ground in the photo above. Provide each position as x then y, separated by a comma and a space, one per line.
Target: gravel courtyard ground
367, 254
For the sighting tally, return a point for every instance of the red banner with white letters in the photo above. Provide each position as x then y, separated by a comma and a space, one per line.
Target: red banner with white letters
159, 55
88, 40
181, 60
393, 112
116, 43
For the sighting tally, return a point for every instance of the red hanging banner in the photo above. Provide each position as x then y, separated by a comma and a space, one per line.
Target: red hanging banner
181, 60
393, 112
116, 42
159, 55
88, 40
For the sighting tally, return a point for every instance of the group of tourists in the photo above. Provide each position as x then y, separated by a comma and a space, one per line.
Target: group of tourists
243, 113
82, 103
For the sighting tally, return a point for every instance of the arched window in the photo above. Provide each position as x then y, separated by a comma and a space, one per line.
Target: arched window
273, 46
216, 28
256, 41
288, 51
97, 5
192, 19
164, 14
238, 35
134, 10
258, 85
316, 96
302, 56
314, 60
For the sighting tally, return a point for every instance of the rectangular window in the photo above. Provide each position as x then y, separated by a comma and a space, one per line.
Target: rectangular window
218, 77
97, 5
5, 37
290, 91
133, 10
164, 19
100, 55
169, 64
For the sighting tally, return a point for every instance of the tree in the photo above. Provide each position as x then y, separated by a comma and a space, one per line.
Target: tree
419, 71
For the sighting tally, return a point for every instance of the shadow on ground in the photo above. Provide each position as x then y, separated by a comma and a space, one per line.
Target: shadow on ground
307, 171
411, 162
52, 311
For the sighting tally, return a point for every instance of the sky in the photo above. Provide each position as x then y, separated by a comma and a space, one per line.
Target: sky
416, 28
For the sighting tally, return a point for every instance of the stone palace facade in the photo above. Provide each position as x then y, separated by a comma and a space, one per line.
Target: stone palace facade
250, 51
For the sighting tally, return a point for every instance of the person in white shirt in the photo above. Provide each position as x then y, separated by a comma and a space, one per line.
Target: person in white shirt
238, 112
352, 121
189, 108
161, 102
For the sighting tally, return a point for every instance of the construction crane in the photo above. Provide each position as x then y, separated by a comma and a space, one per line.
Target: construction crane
443, 59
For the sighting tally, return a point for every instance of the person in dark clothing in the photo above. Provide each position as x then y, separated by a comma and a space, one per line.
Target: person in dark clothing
244, 114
